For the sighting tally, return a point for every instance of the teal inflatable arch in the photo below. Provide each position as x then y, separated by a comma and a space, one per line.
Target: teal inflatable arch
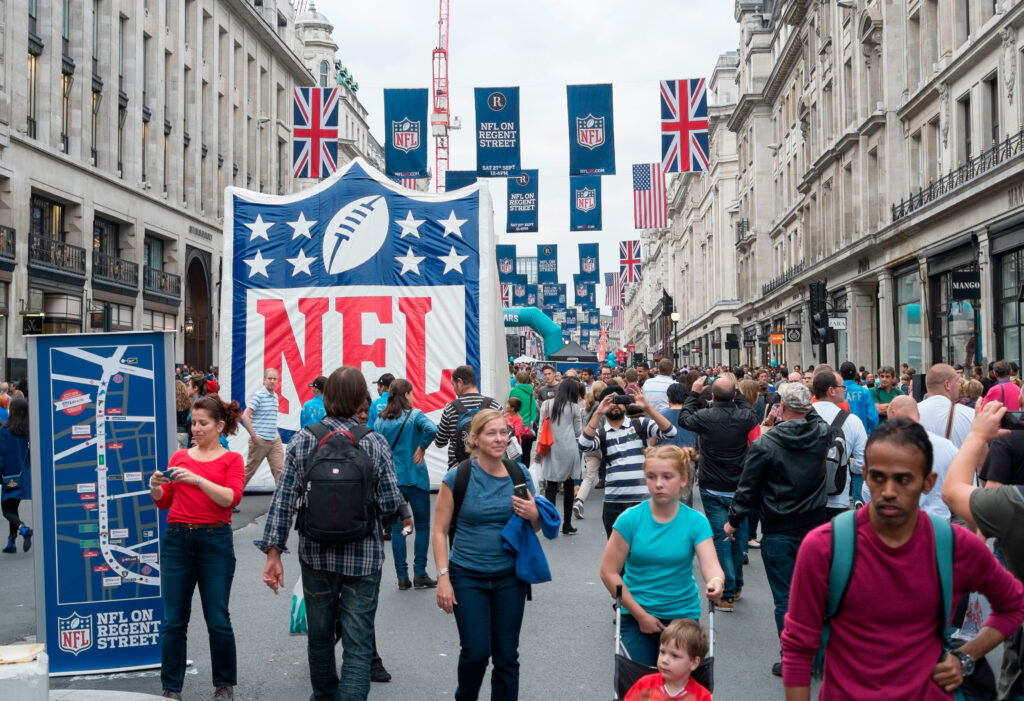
537, 320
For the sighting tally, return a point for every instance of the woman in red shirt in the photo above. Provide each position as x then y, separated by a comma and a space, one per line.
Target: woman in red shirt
199, 489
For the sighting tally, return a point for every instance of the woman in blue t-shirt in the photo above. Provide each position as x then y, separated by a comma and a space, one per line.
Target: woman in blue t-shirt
477, 580
654, 543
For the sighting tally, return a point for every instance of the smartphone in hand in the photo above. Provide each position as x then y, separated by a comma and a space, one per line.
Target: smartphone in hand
521, 491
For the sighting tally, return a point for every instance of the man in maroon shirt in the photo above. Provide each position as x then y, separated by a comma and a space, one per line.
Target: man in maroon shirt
884, 640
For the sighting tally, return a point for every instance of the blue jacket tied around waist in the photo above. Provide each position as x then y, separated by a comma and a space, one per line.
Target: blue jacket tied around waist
531, 565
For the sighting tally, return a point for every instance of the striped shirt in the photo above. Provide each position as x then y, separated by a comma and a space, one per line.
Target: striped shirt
264, 413
356, 559
450, 418
625, 481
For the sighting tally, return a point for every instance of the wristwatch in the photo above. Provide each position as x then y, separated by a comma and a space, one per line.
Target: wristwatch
966, 662
444, 570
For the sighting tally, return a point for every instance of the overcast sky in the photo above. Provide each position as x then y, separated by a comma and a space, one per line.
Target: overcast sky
541, 46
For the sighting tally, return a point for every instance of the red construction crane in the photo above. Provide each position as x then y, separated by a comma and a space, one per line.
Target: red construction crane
440, 118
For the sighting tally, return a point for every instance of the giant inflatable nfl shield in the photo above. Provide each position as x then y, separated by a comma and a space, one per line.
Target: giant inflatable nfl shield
359, 271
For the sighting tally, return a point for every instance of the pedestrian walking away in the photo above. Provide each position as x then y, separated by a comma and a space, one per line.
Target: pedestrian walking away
561, 465
16, 472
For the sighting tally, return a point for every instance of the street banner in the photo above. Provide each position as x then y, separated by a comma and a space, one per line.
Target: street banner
594, 318
547, 263
506, 295
591, 137
519, 297
562, 296
405, 127
497, 132
456, 179
566, 335
585, 203
570, 317
585, 337
532, 295
629, 261
522, 202
684, 125
506, 255
102, 422
584, 292
590, 257
650, 209
549, 290
314, 132
359, 272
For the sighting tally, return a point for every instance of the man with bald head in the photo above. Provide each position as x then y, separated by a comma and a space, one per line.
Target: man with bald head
723, 429
943, 452
940, 414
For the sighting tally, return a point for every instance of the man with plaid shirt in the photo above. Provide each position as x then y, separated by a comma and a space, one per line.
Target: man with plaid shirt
339, 582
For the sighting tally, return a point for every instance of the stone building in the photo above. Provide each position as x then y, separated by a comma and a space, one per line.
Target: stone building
121, 123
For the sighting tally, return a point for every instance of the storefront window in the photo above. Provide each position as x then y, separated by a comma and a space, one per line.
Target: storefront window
908, 320
1008, 322
957, 325
842, 339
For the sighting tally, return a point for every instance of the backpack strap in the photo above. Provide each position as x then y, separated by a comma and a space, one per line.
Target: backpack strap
844, 553
641, 430
949, 422
944, 559
840, 419
515, 472
462, 474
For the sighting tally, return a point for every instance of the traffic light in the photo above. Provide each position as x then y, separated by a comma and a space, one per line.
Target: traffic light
820, 332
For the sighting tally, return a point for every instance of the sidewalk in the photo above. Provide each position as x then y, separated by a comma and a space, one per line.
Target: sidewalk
98, 695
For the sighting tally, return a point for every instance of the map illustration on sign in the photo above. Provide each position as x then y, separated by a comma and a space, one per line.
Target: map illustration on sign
104, 436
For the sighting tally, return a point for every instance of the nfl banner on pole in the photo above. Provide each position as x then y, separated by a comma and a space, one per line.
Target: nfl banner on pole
334, 276
570, 317
456, 179
522, 202
497, 132
550, 292
594, 318
591, 137
590, 257
405, 123
532, 295
547, 263
562, 296
506, 256
585, 196
519, 297
584, 292
102, 422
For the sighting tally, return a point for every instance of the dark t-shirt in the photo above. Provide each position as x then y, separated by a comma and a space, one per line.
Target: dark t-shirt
1005, 460
545, 393
999, 513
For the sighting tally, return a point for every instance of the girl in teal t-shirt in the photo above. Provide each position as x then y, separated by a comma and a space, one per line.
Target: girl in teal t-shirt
655, 542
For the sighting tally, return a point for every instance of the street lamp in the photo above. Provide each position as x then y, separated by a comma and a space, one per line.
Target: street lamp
675, 338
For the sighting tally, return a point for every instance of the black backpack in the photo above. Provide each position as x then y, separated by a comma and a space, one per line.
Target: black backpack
602, 437
462, 475
460, 440
336, 503
837, 459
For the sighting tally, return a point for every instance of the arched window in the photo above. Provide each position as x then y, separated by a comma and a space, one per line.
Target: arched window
324, 68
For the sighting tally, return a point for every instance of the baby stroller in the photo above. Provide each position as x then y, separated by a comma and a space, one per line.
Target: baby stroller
627, 672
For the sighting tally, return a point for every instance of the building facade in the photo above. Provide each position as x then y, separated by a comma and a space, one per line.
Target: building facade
121, 123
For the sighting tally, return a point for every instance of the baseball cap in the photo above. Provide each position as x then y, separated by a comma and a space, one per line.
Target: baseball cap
386, 379
795, 396
318, 383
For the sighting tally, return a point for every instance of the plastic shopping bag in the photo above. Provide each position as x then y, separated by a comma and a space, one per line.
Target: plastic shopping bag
297, 623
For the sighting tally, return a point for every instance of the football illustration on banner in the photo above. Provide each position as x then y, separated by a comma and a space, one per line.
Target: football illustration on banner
355, 234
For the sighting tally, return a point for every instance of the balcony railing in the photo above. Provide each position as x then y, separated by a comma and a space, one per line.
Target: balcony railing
742, 230
999, 153
161, 283
7, 243
782, 279
119, 271
52, 253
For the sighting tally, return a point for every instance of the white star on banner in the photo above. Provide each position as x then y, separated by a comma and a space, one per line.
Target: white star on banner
259, 228
410, 262
258, 265
301, 227
410, 226
452, 225
301, 264
452, 261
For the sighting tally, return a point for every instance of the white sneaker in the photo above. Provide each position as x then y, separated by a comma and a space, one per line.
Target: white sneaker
577, 509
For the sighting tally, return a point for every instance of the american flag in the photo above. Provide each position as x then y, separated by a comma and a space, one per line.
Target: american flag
407, 183
617, 320
614, 292
629, 261
315, 132
300, 6
649, 206
684, 125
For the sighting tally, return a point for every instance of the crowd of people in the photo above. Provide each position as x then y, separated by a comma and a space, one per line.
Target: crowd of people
812, 467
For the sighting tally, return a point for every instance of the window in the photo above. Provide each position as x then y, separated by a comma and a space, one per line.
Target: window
964, 114
106, 237
47, 218
1010, 270
324, 68
991, 86
153, 253
914, 53
963, 20
122, 115
32, 97
33, 17
96, 37
65, 30
94, 131
158, 321
145, 151
66, 81
120, 53
918, 167
145, 71
908, 319
848, 107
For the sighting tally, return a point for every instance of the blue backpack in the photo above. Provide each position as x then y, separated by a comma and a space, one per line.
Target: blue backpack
844, 553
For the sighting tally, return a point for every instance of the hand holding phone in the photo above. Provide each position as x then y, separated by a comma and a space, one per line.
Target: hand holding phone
521, 491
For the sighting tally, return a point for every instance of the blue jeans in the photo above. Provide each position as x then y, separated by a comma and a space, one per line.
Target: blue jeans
778, 551
642, 647
489, 614
419, 501
331, 597
203, 557
730, 552
856, 483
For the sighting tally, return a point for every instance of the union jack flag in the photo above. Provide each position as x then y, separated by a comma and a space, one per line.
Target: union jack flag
614, 292
684, 125
315, 132
629, 261
506, 294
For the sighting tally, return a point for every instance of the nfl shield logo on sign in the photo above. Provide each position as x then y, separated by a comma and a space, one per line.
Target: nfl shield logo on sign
586, 200
405, 135
589, 264
505, 265
581, 290
590, 131
75, 633
520, 290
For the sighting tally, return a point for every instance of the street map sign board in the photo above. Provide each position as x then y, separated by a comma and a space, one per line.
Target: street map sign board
102, 422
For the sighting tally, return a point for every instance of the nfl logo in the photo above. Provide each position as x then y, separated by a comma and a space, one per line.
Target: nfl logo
531, 299
590, 131
405, 135
505, 265
520, 290
581, 290
586, 199
75, 633
589, 264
